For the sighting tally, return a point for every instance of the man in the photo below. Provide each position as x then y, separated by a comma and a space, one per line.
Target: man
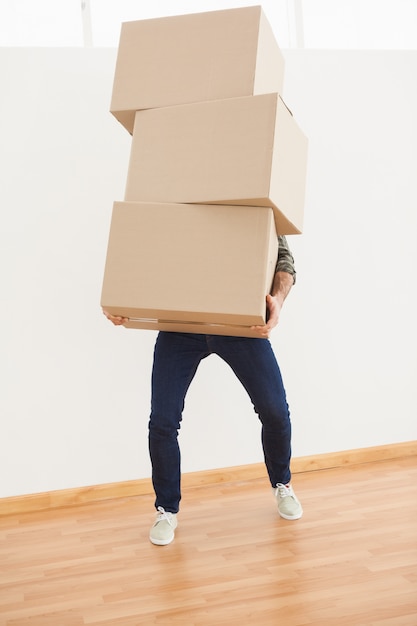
176, 359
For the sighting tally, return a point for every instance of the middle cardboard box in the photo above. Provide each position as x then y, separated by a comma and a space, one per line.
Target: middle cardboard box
242, 151
190, 268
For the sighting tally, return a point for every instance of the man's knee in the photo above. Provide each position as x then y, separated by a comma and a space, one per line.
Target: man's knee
160, 428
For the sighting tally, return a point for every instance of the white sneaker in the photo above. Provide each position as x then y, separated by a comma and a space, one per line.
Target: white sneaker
289, 506
162, 532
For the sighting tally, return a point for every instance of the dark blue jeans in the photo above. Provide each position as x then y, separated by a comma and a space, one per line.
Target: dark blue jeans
176, 359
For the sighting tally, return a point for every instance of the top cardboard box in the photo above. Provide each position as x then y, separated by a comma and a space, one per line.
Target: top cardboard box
192, 58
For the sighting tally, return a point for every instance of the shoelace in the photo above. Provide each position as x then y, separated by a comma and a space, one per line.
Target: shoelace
284, 491
163, 515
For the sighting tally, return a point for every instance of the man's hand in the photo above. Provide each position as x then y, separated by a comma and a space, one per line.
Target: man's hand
116, 320
274, 308
283, 281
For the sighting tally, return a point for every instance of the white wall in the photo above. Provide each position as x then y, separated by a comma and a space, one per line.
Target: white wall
75, 400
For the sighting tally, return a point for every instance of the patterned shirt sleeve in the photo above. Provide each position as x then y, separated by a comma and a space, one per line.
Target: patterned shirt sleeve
285, 260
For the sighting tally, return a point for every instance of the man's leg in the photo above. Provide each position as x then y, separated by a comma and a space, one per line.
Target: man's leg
176, 358
255, 365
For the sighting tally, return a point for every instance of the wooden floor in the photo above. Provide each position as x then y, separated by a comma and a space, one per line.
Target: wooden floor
350, 561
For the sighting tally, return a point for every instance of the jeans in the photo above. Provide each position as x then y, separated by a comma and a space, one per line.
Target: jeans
176, 359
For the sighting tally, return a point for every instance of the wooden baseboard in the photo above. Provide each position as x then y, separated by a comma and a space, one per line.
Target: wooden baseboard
82, 495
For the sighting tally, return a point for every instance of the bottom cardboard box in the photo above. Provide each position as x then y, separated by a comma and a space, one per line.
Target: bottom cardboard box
190, 268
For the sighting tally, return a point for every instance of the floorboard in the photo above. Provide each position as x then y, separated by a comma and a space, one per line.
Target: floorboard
350, 561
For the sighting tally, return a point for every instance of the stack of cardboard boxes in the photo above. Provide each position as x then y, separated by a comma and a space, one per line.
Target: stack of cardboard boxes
217, 169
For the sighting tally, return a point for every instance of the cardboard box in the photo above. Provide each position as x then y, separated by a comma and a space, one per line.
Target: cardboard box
191, 58
243, 151
192, 268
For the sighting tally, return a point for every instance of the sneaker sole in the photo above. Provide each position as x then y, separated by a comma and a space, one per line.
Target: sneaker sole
161, 542
290, 517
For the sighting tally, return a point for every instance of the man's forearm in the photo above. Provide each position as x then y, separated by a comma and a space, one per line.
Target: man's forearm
283, 281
